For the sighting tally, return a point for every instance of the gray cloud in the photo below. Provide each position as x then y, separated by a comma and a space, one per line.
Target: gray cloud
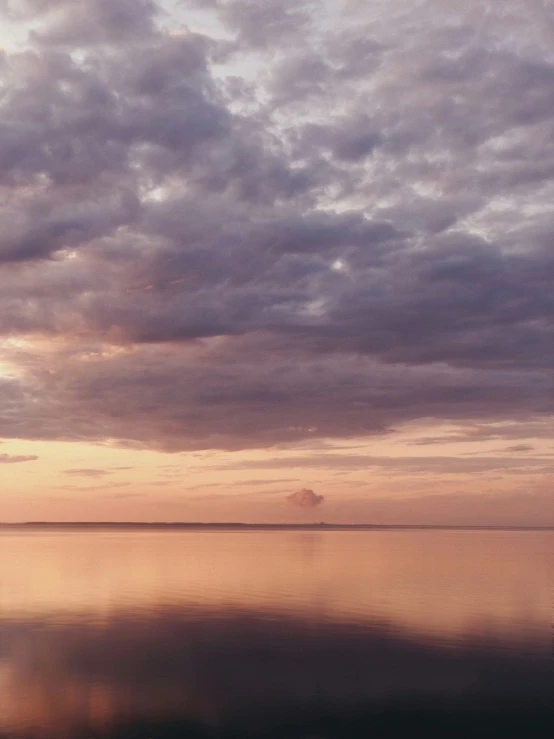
355, 235
140, 397
87, 472
78, 22
14, 458
305, 498
262, 25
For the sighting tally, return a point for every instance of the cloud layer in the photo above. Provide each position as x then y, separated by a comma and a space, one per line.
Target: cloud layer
254, 223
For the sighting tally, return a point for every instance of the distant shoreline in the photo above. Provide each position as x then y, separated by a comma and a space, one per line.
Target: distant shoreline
180, 525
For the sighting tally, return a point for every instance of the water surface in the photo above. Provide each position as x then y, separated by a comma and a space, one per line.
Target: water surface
161, 632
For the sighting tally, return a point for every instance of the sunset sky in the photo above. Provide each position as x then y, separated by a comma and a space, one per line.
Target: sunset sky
250, 248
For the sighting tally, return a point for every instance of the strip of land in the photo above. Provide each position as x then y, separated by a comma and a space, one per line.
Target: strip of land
237, 526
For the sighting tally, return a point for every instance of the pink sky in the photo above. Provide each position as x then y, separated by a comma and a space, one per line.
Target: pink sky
248, 248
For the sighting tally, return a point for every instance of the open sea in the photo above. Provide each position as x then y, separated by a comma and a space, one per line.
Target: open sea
279, 633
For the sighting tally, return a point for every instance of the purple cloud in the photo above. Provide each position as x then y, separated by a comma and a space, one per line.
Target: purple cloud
305, 498
357, 238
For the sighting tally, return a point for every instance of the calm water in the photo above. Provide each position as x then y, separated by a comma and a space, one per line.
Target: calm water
275, 633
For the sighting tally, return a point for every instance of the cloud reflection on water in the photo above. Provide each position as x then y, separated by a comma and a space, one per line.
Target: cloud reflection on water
231, 668
133, 633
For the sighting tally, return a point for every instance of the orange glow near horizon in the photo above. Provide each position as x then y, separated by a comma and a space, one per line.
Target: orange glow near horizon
409, 482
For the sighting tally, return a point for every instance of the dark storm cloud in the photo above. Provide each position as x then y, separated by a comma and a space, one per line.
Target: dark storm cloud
356, 235
199, 397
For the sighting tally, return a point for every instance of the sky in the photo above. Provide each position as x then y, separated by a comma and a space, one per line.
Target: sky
276, 260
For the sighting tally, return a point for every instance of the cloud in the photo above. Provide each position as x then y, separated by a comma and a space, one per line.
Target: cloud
93, 488
233, 398
87, 472
477, 433
289, 231
84, 22
273, 481
305, 498
14, 458
443, 465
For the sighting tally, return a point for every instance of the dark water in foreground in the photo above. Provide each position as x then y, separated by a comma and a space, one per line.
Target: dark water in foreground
277, 634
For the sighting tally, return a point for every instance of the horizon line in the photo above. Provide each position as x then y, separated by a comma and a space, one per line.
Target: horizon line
280, 525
